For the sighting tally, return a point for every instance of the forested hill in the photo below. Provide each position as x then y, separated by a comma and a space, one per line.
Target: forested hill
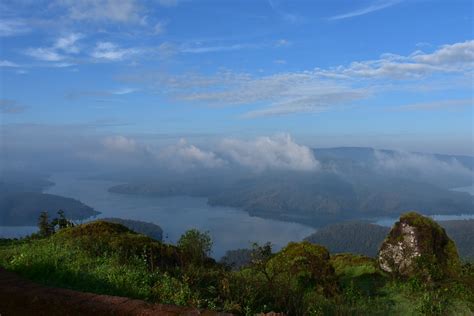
22, 200
24, 208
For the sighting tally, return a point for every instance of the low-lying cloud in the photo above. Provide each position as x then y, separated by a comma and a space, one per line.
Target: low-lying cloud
423, 167
183, 156
262, 153
279, 152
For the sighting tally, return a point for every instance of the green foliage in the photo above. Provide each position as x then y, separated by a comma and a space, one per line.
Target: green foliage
293, 280
301, 279
44, 226
47, 228
61, 221
170, 290
100, 237
196, 245
148, 229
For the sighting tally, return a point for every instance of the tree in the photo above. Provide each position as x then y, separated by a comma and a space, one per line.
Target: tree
195, 245
61, 221
45, 228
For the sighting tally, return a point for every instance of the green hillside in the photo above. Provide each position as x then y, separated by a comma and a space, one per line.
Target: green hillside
301, 279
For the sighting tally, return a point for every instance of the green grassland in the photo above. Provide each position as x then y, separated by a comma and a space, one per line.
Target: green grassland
301, 279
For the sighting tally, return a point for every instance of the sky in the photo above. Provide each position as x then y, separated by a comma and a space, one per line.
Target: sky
388, 74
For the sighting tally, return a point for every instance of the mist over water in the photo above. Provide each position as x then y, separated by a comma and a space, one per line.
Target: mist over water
230, 228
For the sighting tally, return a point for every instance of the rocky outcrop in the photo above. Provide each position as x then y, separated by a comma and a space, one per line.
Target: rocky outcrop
418, 246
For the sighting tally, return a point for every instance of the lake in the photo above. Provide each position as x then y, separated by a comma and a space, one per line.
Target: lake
230, 228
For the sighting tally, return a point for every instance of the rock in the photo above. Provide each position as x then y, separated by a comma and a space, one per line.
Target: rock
417, 246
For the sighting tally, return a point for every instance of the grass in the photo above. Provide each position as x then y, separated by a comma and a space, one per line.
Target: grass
110, 259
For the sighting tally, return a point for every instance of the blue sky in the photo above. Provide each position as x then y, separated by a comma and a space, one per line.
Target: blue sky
391, 74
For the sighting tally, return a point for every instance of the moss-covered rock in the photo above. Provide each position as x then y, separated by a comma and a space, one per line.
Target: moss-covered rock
417, 246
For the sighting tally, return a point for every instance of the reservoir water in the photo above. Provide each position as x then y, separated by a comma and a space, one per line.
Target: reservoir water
230, 228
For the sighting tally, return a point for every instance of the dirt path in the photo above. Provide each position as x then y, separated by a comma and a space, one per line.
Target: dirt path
22, 297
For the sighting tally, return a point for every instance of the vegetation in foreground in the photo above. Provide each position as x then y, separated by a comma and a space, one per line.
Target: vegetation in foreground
301, 279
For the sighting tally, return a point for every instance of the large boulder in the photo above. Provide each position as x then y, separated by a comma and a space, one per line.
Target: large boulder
417, 246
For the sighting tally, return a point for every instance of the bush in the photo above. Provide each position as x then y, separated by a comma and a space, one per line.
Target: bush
195, 245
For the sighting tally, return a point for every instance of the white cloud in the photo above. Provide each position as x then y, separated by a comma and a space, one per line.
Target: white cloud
59, 50
284, 93
112, 52
68, 43
318, 89
103, 10
12, 27
376, 6
262, 153
455, 54
183, 156
424, 166
124, 91
7, 63
318, 102
454, 58
278, 152
62, 65
45, 54
120, 143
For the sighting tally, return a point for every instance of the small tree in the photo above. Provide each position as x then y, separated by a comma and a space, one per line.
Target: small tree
261, 254
195, 245
45, 228
61, 221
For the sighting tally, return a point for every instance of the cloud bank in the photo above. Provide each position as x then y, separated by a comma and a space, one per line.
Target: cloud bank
263, 153
423, 167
